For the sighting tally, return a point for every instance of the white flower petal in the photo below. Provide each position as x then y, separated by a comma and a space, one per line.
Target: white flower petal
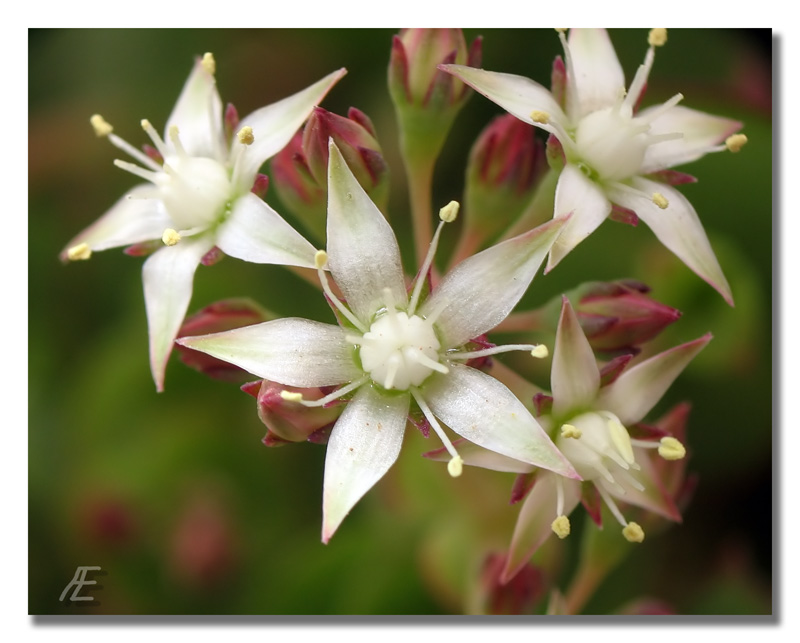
631, 396
678, 227
476, 456
130, 220
579, 196
364, 444
290, 351
167, 276
481, 409
274, 125
516, 94
701, 133
599, 78
363, 255
534, 524
653, 497
482, 290
198, 116
255, 232
575, 378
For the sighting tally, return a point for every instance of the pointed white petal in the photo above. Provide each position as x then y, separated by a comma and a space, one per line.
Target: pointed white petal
255, 232
577, 194
290, 351
653, 497
130, 220
701, 132
167, 276
274, 125
482, 290
678, 227
364, 444
198, 116
363, 255
517, 95
575, 378
631, 396
481, 409
599, 78
535, 519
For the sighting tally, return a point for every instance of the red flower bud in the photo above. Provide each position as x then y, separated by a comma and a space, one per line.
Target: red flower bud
619, 316
288, 420
505, 166
413, 75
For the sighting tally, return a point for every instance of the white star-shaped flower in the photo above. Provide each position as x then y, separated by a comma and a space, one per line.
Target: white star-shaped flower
590, 421
616, 155
393, 348
198, 197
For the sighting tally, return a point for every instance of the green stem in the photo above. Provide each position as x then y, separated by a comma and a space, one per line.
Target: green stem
420, 182
583, 586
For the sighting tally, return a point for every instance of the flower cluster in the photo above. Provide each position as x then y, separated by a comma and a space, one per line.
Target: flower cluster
415, 350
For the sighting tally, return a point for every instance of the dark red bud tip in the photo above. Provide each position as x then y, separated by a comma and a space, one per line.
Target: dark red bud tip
523, 484
252, 388
260, 186
357, 116
231, 121
591, 501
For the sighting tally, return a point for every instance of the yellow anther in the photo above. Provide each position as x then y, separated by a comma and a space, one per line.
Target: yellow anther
657, 37
449, 212
170, 237
560, 527
100, 125
735, 142
81, 252
570, 431
320, 259
146, 125
660, 200
621, 441
289, 396
245, 135
633, 533
540, 351
209, 64
455, 466
560, 30
671, 449
540, 117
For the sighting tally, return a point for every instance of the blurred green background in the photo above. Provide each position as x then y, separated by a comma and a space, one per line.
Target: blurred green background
174, 495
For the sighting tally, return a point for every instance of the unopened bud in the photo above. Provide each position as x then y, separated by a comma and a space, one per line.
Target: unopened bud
284, 417
505, 166
619, 316
300, 171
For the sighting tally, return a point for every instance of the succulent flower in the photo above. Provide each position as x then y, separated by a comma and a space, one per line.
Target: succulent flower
393, 348
197, 200
617, 157
590, 420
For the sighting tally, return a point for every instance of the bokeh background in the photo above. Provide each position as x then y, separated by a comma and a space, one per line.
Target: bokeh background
174, 495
